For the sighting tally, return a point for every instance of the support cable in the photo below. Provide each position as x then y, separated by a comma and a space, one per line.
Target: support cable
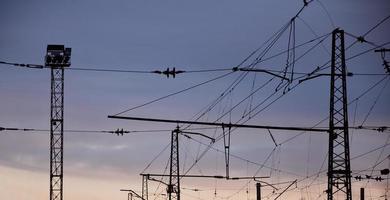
314, 33
374, 103
175, 93
236, 82
378, 159
327, 13
376, 26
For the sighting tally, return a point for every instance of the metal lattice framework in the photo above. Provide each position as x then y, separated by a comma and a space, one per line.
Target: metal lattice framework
145, 187
56, 133
173, 189
339, 169
57, 57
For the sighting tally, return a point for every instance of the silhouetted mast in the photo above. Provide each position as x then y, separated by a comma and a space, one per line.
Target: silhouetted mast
339, 169
57, 58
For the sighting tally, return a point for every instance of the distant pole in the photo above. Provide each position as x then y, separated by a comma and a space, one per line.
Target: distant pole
361, 193
57, 58
258, 191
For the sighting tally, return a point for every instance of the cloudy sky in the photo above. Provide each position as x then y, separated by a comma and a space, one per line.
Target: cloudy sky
188, 35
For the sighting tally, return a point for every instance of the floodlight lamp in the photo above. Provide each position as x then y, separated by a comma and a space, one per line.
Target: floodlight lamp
57, 56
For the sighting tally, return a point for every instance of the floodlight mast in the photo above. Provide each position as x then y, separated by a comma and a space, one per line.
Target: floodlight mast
57, 58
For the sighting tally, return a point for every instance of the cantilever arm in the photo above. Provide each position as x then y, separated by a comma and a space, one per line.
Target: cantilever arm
201, 134
286, 189
263, 70
156, 180
132, 192
318, 75
266, 183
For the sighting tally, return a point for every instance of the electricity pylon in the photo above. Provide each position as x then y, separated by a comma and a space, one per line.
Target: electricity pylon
57, 57
145, 187
173, 189
339, 169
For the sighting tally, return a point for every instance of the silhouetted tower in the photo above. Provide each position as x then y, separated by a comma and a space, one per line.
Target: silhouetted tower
339, 169
361, 193
57, 57
145, 187
258, 191
173, 189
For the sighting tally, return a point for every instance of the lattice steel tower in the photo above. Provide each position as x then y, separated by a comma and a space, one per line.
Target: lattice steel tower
145, 192
173, 189
57, 57
339, 169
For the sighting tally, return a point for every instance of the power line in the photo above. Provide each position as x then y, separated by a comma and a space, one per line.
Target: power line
117, 131
355, 99
376, 100
376, 25
175, 93
361, 39
37, 66
327, 13
314, 33
167, 72
109, 70
296, 47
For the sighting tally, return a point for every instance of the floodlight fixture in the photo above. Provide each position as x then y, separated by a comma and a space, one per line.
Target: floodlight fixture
57, 56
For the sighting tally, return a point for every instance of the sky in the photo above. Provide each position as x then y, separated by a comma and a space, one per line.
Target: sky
187, 35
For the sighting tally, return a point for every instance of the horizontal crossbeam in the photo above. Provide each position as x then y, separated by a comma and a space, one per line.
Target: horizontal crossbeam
220, 124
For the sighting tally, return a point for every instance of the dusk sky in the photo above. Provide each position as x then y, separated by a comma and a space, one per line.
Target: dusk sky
190, 36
